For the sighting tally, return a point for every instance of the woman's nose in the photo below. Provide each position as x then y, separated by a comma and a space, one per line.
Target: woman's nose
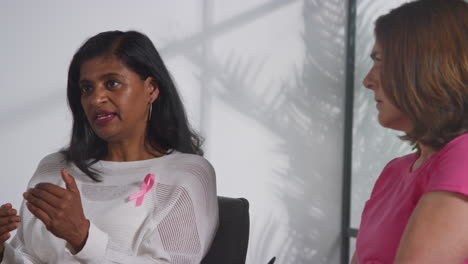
369, 81
99, 96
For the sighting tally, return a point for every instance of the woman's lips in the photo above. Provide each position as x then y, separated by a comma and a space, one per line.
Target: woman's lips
104, 118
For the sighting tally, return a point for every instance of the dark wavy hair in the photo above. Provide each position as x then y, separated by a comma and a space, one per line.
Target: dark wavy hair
425, 67
167, 130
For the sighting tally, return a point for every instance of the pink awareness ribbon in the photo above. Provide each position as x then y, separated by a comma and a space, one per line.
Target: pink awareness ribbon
145, 187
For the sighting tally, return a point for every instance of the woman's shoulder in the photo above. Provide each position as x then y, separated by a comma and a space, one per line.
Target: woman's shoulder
180, 160
453, 156
447, 172
185, 166
48, 169
457, 147
55, 159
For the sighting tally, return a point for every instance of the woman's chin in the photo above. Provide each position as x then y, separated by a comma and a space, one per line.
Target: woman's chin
393, 124
107, 135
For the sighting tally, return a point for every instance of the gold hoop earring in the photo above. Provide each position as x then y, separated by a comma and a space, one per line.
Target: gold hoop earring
150, 110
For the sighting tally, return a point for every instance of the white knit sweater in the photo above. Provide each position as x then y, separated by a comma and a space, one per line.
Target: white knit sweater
175, 224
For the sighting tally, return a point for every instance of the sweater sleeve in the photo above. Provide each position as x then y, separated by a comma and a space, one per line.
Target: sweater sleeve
13, 254
183, 234
15, 251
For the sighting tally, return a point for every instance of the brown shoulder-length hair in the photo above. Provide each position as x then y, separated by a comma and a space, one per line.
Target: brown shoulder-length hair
425, 67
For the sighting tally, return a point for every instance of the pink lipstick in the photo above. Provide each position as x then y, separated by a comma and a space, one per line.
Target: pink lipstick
103, 117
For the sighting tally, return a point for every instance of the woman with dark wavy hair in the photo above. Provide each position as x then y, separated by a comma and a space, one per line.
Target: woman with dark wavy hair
141, 192
418, 209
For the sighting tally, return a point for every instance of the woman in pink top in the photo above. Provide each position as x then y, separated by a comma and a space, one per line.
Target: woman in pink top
418, 209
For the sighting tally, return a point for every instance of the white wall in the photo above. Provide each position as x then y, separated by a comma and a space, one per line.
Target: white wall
262, 80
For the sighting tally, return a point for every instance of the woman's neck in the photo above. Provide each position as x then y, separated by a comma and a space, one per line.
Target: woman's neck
425, 153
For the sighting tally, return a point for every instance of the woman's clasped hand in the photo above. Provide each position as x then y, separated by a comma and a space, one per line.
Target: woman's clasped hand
9, 221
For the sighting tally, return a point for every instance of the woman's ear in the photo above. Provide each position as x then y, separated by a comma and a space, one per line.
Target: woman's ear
153, 90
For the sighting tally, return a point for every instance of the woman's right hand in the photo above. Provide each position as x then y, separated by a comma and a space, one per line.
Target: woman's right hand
9, 221
354, 259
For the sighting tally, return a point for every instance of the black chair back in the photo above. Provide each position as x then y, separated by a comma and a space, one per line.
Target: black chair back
232, 238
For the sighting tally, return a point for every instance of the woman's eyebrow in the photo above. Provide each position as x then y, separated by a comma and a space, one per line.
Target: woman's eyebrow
110, 74
84, 81
104, 76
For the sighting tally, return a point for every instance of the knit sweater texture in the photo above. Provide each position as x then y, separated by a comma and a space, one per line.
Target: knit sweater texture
176, 222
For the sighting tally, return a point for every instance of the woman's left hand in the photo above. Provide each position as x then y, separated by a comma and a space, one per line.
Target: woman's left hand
60, 210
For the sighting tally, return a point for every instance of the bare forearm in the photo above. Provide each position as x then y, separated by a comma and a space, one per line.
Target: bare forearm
354, 260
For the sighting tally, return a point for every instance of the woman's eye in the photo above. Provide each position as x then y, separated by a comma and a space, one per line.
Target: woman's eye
112, 83
376, 58
377, 61
86, 89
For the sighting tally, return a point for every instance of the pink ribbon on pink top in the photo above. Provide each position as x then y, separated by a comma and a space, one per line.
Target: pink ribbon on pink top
145, 187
